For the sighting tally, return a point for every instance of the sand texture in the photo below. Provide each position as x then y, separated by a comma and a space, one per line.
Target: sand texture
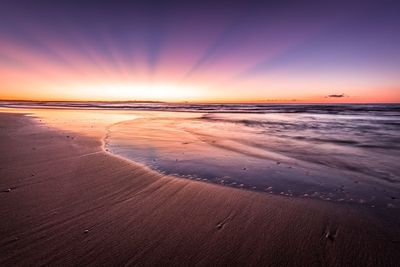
66, 202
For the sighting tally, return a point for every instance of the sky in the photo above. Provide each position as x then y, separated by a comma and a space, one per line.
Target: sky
201, 51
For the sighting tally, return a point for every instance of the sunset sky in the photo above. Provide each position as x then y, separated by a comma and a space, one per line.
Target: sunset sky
212, 51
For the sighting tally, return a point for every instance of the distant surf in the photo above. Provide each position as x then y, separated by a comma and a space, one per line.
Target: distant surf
339, 109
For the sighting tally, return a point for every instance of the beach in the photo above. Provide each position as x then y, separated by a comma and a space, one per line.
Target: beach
66, 201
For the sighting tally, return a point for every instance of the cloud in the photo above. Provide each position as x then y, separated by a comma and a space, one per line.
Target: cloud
336, 96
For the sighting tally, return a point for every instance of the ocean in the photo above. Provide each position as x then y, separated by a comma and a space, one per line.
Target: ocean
342, 153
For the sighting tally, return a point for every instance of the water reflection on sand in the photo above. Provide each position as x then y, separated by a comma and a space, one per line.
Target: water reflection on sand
332, 157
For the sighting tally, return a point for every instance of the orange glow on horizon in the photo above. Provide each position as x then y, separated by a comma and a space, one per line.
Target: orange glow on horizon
30, 76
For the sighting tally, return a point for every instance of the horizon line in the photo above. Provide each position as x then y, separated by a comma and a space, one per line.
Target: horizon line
200, 102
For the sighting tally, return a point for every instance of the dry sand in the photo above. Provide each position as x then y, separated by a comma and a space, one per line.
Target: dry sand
71, 203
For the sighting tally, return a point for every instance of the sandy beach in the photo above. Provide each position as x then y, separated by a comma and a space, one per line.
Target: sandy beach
67, 202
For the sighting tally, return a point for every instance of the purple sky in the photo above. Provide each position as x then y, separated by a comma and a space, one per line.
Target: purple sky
201, 50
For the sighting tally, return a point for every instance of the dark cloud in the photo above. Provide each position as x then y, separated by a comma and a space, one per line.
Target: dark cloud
336, 96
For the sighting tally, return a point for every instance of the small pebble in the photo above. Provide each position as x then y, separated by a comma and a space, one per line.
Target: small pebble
329, 236
8, 190
86, 231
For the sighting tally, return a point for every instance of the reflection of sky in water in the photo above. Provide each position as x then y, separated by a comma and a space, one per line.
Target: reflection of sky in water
350, 157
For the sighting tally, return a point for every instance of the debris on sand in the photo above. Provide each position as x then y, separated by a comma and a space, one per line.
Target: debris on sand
330, 233
330, 236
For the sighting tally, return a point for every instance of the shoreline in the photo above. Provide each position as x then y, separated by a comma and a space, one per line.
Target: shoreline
135, 216
157, 145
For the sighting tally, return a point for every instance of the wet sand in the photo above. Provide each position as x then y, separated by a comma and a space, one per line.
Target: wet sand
65, 201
